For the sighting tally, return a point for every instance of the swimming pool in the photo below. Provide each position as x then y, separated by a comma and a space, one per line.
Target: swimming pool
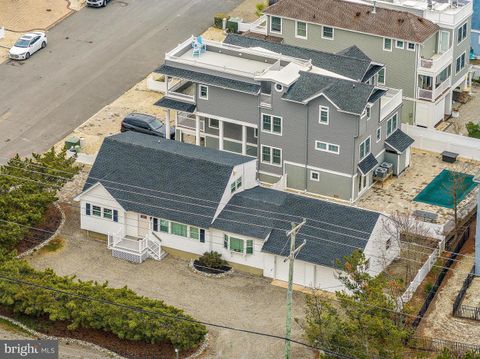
440, 191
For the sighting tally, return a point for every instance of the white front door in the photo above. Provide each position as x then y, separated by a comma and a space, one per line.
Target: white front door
143, 225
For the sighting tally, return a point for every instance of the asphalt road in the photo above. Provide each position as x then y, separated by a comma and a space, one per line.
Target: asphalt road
92, 57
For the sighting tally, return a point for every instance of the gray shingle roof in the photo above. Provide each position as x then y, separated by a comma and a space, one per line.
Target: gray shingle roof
372, 70
336, 232
357, 17
376, 94
163, 178
176, 105
399, 141
208, 79
354, 51
346, 65
367, 164
349, 96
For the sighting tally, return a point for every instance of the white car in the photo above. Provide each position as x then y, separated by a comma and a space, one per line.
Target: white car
28, 44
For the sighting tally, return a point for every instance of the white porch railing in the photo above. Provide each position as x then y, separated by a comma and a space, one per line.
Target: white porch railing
390, 101
135, 249
435, 93
259, 26
436, 63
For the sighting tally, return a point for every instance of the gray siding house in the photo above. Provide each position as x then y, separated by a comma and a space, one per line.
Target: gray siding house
317, 122
424, 48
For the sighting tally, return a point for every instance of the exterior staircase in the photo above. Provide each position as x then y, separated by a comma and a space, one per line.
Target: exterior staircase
134, 249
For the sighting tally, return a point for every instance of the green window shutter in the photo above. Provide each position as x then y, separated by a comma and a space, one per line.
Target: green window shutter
249, 246
194, 233
236, 244
225, 241
179, 229
164, 225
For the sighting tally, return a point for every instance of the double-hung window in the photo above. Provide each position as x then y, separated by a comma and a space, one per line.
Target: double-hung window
276, 24
107, 213
379, 134
460, 63
367, 112
365, 148
194, 232
179, 229
327, 32
238, 245
392, 124
399, 44
462, 33
387, 44
272, 124
203, 92
323, 117
272, 155
301, 29
97, 211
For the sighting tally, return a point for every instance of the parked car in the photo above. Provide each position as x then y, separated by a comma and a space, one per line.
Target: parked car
97, 3
27, 45
140, 122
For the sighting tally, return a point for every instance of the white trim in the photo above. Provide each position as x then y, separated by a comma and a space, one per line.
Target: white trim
281, 24
333, 32
270, 174
210, 123
230, 120
400, 47
200, 92
271, 156
318, 95
271, 124
311, 176
296, 30
391, 44
318, 169
320, 109
380, 153
230, 139
328, 147
369, 138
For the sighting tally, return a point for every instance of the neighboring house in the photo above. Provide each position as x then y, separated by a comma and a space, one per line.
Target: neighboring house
151, 196
318, 122
425, 51
477, 233
475, 40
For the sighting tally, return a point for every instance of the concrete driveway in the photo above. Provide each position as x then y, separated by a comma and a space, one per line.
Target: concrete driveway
92, 57
241, 301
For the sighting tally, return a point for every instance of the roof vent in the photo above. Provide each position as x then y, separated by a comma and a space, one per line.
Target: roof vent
374, 11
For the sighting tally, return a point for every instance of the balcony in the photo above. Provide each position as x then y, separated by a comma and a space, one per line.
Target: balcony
389, 102
181, 90
433, 94
436, 63
444, 14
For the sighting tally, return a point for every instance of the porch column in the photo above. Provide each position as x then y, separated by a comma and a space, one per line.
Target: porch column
167, 124
244, 140
197, 130
220, 135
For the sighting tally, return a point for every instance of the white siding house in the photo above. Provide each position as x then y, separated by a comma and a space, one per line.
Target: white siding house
195, 200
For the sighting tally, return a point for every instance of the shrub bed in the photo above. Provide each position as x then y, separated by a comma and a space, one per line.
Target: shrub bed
211, 263
82, 313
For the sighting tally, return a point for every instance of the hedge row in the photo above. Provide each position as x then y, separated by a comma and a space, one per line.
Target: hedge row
125, 323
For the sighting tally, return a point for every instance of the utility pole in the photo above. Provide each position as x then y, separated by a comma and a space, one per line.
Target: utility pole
293, 253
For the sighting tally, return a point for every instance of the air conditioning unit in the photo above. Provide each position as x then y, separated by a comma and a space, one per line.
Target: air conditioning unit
380, 172
387, 165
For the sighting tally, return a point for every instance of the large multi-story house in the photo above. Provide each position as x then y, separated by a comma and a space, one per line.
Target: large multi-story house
475, 40
424, 45
317, 122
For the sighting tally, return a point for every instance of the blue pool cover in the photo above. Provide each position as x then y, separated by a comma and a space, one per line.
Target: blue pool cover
440, 192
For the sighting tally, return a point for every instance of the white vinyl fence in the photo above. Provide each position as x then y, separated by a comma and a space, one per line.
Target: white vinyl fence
437, 141
423, 272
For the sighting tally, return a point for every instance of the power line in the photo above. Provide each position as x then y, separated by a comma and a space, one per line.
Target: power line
149, 312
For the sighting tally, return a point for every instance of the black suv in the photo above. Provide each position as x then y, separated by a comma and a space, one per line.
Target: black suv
140, 122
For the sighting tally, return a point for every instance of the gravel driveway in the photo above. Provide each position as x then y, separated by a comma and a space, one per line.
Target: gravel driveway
242, 301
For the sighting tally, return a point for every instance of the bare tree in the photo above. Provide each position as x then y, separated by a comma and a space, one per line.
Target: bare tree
412, 238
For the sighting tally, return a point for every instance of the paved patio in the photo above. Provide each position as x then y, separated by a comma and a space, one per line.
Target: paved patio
468, 113
398, 193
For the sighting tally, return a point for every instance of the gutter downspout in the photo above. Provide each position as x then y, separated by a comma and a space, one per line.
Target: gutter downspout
306, 147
